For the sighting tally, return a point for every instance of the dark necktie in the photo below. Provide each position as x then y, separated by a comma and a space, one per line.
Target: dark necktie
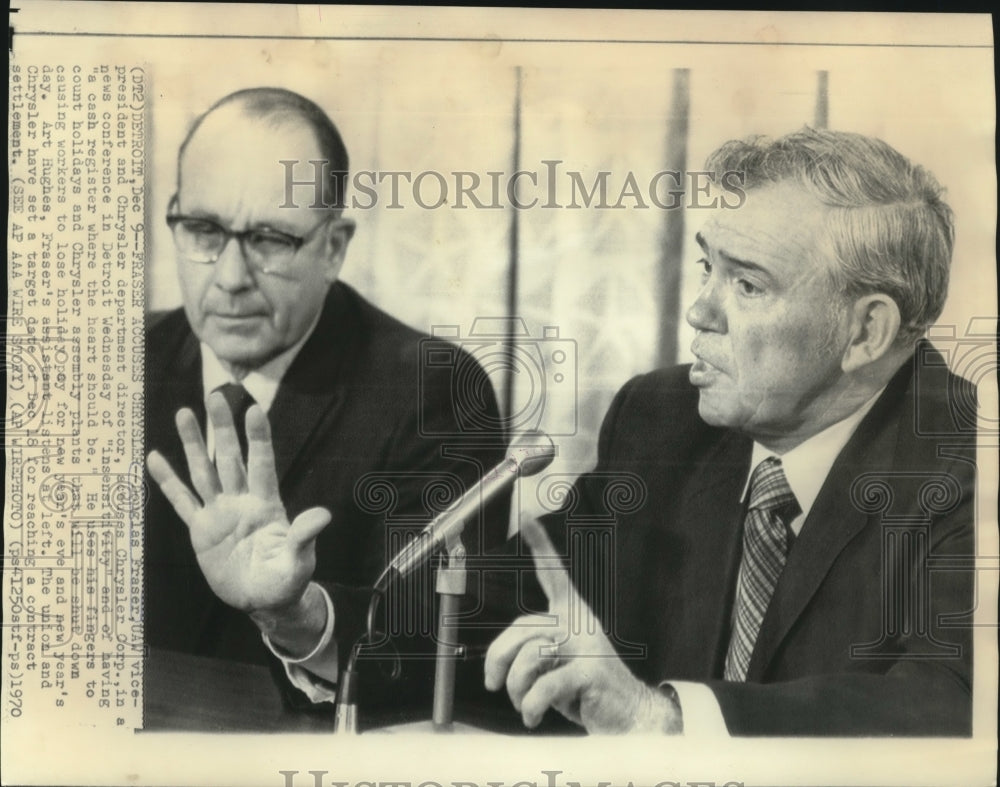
239, 401
765, 545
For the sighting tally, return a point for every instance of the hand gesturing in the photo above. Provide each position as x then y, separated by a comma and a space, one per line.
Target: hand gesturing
563, 660
253, 559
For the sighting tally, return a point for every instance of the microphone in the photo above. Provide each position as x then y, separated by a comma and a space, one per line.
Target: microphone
531, 453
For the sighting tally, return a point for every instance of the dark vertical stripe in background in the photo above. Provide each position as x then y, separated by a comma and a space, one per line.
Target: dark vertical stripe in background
668, 280
507, 394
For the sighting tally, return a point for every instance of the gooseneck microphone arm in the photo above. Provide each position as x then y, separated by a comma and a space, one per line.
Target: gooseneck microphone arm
531, 453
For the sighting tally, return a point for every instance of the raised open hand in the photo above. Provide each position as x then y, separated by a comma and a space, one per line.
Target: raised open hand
564, 660
253, 559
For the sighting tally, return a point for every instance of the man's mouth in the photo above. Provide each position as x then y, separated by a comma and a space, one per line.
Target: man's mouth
702, 371
236, 314
236, 317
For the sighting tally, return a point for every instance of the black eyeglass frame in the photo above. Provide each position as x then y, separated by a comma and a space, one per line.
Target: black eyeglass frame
295, 242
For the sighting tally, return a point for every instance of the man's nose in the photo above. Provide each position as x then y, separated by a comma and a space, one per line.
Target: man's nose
707, 313
232, 271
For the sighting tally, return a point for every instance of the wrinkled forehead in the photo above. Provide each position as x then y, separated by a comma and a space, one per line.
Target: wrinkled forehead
236, 159
775, 224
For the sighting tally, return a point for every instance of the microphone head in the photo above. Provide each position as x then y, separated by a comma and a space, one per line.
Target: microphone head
532, 452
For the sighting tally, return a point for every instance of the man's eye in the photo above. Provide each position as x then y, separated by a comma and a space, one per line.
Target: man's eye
201, 228
270, 242
748, 288
706, 267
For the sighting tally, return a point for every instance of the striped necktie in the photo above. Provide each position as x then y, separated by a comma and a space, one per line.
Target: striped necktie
765, 545
239, 401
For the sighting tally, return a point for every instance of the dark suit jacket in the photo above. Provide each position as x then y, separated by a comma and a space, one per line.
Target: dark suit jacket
359, 426
856, 639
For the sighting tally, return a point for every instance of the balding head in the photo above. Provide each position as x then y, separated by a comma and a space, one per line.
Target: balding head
283, 111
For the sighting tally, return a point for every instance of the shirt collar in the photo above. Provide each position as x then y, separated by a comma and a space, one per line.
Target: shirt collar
808, 464
261, 383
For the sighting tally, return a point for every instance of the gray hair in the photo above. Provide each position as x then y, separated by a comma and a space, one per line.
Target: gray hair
890, 230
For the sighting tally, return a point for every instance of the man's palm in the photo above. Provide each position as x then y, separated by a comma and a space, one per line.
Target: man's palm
242, 546
251, 556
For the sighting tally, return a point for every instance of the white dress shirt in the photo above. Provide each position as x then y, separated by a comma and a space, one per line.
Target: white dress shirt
806, 467
262, 384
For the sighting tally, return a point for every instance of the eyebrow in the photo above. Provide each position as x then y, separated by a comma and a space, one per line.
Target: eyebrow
731, 259
257, 225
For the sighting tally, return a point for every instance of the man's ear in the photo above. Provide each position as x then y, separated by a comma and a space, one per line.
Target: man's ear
338, 236
874, 326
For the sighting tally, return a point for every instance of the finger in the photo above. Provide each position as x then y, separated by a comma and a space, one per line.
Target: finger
181, 498
536, 657
307, 526
559, 689
203, 475
549, 568
228, 456
262, 476
504, 649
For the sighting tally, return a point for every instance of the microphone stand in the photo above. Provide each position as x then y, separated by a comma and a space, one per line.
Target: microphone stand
450, 587
451, 582
530, 454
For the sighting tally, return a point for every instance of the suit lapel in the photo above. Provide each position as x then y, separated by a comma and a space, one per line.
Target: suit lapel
832, 523
179, 384
175, 383
310, 389
713, 498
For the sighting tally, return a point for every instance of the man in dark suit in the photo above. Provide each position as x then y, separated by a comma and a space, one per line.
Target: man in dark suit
359, 425
793, 558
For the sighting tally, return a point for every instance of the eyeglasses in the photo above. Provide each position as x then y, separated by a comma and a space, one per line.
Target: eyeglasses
202, 241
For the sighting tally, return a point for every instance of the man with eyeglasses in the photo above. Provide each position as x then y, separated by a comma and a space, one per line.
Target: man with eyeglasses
269, 346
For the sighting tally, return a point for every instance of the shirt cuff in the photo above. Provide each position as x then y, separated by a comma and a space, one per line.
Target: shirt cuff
315, 674
700, 709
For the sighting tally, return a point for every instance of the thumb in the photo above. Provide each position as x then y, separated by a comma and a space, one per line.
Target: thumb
307, 526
